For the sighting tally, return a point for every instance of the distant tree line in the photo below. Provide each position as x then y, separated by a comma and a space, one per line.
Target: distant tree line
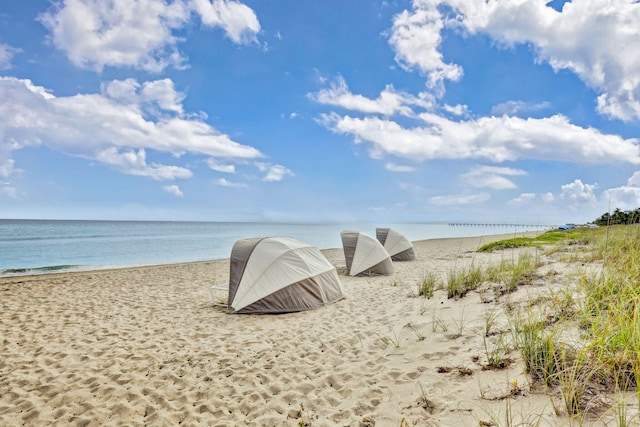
619, 217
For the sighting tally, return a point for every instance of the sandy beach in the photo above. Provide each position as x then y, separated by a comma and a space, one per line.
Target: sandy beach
146, 346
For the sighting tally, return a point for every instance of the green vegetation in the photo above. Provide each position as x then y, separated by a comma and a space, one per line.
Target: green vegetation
582, 337
605, 357
619, 217
550, 237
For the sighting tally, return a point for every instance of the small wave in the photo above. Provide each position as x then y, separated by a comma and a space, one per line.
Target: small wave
37, 270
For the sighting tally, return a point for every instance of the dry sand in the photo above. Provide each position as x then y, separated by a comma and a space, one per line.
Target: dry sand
145, 346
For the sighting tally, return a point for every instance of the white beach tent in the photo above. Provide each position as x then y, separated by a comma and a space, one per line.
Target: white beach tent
280, 275
364, 255
398, 246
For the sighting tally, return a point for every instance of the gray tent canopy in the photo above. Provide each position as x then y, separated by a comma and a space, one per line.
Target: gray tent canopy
364, 255
280, 275
397, 245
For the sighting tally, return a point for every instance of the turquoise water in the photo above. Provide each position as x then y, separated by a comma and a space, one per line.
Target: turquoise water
36, 246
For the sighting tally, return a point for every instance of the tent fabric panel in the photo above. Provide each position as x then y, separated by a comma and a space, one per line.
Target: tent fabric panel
369, 252
349, 242
406, 255
394, 242
381, 234
277, 267
240, 254
383, 268
307, 294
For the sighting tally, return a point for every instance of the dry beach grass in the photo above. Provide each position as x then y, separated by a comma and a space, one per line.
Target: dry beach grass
145, 346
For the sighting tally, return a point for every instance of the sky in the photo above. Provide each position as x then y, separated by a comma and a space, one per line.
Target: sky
499, 111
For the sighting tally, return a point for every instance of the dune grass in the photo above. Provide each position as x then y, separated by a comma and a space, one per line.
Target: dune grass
601, 309
606, 357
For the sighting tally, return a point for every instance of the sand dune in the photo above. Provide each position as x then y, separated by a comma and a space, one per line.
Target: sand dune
145, 346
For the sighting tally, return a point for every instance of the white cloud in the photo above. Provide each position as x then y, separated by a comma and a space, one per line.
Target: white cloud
533, 199
173, 189
274, 172
512, 108
634, 180
238, 20
523, 199
135, 163
492, 177
595, 39
6, 166
138, 33
6, 55
624, 198
579, 193
547, 197
399, 168
226, 183
389, 102
457, 110
117, 128
214, 165
496, 139
156, 97
460, 199
416, 38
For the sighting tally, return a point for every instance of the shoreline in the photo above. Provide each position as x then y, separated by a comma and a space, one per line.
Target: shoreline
145, 345
69, 269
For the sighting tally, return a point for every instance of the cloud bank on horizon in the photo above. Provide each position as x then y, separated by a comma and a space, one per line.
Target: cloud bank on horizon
520, 111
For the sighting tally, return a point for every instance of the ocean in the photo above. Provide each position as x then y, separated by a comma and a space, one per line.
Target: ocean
40, 246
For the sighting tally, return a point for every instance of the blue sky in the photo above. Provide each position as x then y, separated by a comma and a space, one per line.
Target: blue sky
521, 111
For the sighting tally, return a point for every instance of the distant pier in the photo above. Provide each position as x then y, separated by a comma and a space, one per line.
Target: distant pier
476, 224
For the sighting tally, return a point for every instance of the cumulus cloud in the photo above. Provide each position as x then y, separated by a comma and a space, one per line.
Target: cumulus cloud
415, 38
174, 190
624, 198
239, 21
389, 102
497, 139
399, 168
118, 127
492, 177
595, 39
138, 33
457, 110
273, 172
634, 180
579, 193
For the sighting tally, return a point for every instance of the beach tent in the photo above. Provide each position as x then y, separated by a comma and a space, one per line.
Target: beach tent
364, 255
280, 275
398, 246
